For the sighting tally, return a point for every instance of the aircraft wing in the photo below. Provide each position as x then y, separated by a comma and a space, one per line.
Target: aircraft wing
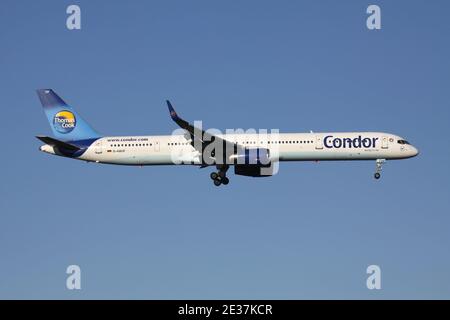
200, 139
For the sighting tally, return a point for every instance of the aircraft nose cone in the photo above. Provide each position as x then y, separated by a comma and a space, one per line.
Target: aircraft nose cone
414, 151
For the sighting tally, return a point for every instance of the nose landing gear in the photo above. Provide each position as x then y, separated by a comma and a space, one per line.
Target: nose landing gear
379, 167
220, 177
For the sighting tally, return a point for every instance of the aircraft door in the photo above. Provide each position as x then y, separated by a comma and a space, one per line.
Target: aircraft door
98, 147
319, 142
157, 147
384, 142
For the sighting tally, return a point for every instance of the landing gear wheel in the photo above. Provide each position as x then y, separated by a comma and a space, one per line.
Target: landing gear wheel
378, 168
220, 177
214, 175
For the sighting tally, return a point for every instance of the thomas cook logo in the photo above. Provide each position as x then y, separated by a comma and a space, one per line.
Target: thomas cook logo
64, 121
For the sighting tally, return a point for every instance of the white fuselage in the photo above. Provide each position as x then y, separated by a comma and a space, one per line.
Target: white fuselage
177, 149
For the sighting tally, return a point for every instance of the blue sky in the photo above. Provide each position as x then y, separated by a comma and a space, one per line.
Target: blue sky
167, 232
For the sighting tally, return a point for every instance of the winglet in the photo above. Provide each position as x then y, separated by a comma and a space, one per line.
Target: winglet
173, 113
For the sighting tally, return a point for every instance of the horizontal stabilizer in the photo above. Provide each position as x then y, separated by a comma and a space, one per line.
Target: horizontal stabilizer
58, 143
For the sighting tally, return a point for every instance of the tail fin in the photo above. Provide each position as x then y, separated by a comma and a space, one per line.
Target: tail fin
65, 122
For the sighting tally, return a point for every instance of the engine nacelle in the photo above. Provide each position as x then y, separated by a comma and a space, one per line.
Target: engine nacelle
253, 170
253, 163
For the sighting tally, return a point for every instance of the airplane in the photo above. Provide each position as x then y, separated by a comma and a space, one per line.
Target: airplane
251, 154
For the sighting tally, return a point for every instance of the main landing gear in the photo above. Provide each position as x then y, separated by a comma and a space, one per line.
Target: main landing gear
379, 167
220, 177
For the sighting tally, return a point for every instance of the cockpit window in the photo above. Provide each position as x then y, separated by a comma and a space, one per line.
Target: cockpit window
403, 142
